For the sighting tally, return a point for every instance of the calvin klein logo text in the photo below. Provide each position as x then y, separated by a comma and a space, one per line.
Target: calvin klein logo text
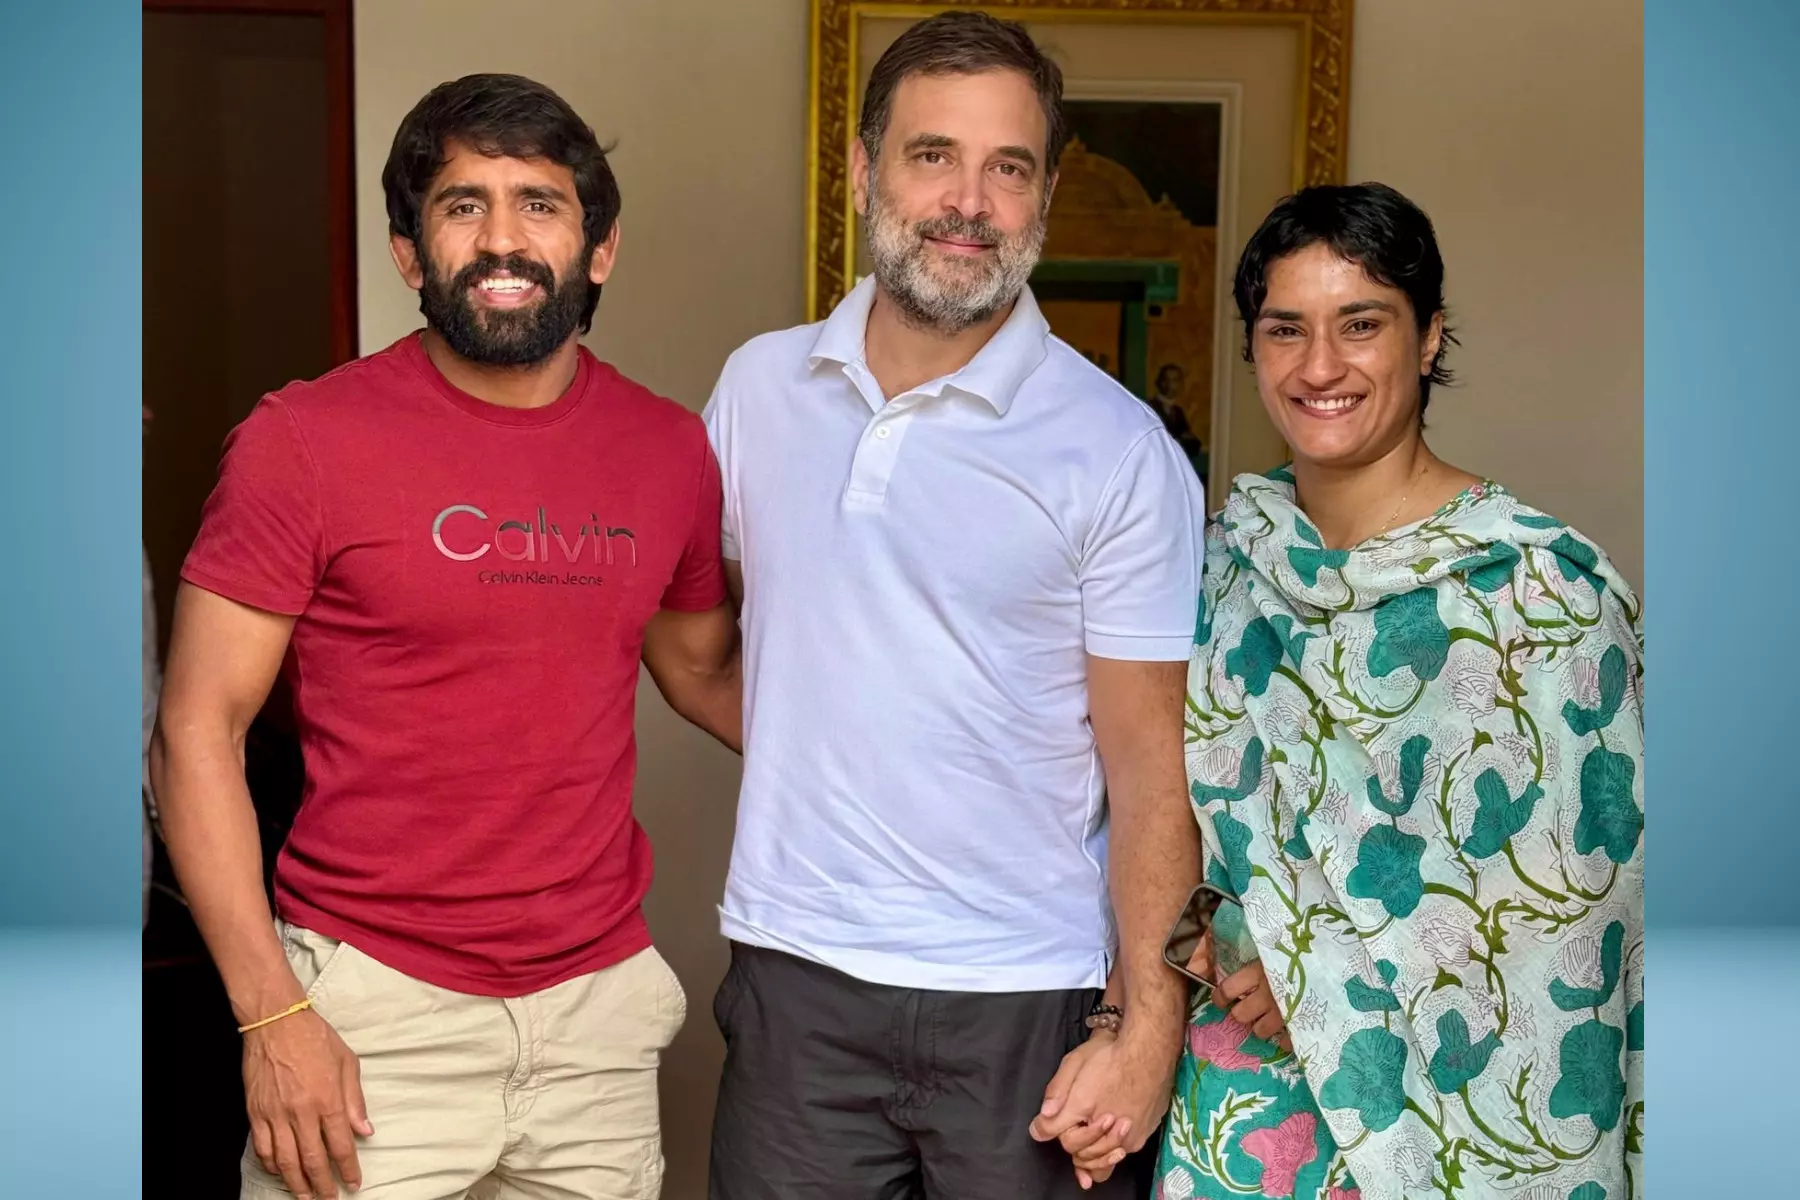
569, 579
464, 533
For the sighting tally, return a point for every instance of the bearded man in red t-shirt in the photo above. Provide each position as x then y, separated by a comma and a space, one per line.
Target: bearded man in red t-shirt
456, 551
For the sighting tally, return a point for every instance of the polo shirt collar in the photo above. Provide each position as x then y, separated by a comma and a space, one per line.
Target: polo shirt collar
993, 376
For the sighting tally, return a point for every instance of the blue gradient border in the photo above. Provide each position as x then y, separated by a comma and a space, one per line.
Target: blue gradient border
1721, 452
1721, 435
70, 483
1722, 429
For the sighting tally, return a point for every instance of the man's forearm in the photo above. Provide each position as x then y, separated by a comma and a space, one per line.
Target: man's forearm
696, 660
720, 705
1154, 858
209, 823
1154, 861
712, 700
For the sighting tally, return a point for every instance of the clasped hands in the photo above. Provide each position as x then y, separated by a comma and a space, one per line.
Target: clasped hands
1111, 1091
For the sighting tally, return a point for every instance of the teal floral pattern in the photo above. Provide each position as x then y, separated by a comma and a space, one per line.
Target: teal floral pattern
1592, 1084
1409, 635
1387, 869
1418, 763
1611, 817
1457, 1062
1370, 1078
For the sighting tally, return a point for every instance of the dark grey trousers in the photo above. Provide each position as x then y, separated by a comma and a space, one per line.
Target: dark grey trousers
836, 1089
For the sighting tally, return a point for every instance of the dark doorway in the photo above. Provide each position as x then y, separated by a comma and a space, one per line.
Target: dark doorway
249, 283
249, 254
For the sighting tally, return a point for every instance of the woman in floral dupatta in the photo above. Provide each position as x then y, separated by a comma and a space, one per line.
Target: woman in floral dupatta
1415, 744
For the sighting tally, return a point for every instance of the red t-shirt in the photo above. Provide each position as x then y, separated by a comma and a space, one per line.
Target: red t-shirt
471, 585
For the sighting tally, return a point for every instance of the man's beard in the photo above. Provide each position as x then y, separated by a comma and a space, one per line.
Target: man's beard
520, 337
942, 292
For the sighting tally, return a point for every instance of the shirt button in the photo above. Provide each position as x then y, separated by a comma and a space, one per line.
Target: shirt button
883, 431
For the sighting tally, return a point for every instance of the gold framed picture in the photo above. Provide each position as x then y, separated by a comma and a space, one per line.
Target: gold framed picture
1189, 120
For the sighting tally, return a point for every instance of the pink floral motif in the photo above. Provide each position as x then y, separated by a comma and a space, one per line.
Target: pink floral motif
1282, 1151
1220, 1045
1344, 1193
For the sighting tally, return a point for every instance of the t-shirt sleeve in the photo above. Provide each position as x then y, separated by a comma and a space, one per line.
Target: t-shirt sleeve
699, 582
262, 532
1140, 568
718, 433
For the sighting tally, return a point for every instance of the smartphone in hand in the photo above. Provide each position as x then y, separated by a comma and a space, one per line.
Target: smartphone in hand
1210, 909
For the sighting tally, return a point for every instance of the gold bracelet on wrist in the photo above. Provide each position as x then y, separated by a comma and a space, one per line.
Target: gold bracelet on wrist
282, 1015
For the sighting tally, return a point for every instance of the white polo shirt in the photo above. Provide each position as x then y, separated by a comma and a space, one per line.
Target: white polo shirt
922, 802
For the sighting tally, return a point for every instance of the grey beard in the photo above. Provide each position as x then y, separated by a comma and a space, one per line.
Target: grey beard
928, 299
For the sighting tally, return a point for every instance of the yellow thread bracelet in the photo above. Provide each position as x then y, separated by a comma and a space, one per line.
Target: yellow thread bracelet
298, 1008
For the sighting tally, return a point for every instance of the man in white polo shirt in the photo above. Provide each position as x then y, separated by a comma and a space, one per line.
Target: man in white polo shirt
968, 564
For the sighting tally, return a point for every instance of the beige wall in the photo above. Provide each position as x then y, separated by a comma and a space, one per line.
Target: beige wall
1518, 126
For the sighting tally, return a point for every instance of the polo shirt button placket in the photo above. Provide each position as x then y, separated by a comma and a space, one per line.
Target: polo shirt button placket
877, 452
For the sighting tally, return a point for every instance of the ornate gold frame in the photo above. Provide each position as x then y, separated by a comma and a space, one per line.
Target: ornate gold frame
1319, 135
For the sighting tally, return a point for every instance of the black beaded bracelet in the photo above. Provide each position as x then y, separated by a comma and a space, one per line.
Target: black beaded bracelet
1105, 1016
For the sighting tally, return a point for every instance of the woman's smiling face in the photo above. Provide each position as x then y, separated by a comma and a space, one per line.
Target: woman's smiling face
1339, 359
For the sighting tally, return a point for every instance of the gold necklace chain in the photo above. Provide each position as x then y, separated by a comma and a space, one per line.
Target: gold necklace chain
1417, 475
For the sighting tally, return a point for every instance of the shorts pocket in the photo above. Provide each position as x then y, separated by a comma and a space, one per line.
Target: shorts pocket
312, 957
672, 997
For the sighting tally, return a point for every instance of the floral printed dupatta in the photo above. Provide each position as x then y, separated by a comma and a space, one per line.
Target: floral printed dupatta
1419, 764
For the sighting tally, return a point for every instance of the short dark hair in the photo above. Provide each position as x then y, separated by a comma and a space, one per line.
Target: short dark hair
964, 43
1369, 224
500, 116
